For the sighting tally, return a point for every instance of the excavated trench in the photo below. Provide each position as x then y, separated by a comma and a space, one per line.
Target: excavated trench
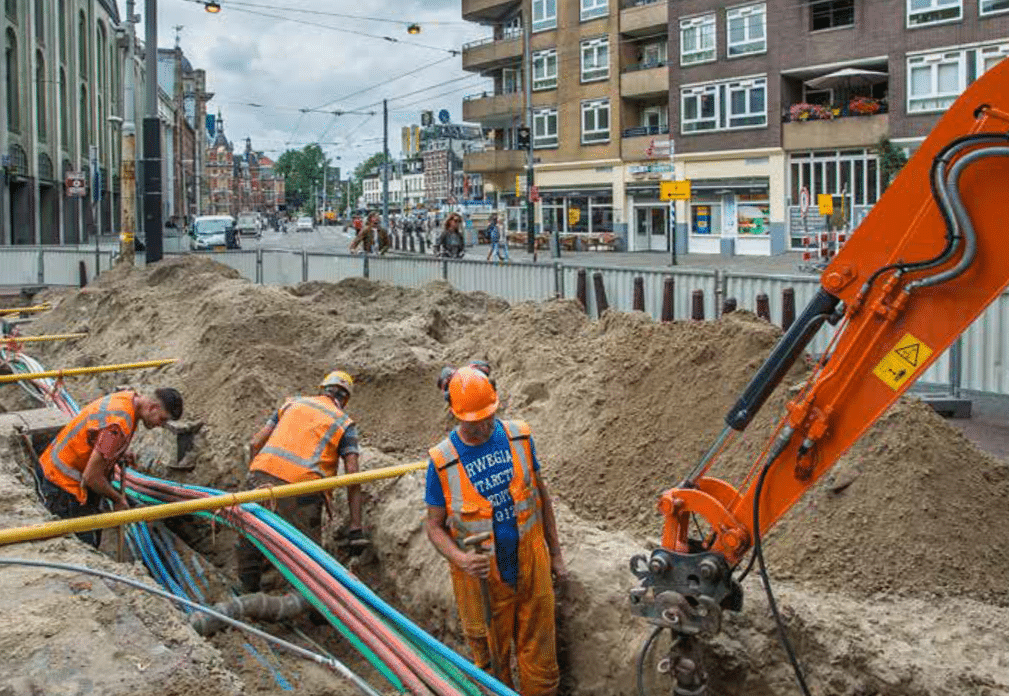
884, 582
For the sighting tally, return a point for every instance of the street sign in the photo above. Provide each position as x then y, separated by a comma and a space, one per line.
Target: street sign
75, 185
804, 201
674, 190
826, 203
534, 195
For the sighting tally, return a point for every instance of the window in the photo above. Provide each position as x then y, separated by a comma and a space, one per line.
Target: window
653, 54
40, 96
923, 12
82, 46
512, 28
724, 105
753, 214
545, 128
100, 57
934, 81
989, 7
697, 40
544, 14
830, 14
13, 107
11, 6
40, 24
64, 111
595, 8
851, 177
747, 30
596, 59
545, 69
85, 114
62, 21
596, 121
989, 56
655, 118
747, 103
511, 81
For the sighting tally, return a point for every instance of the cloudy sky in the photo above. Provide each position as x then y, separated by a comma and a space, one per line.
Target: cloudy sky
312, 59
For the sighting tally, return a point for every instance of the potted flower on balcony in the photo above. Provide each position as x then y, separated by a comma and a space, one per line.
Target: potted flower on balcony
808, 112
864, 106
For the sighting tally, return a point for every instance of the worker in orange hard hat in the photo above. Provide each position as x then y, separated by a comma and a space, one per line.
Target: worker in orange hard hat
484, 478
305, 440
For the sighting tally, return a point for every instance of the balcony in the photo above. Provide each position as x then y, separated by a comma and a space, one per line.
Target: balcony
494, 161
486, 108
636, 143
641, 17
487, 11
644, 81
491, 52
861, 123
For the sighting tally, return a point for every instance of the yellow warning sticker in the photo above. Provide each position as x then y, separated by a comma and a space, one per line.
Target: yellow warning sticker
901, 363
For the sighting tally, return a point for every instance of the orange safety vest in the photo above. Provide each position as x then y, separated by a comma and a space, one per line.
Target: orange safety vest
66, 457
470, 513
305, 443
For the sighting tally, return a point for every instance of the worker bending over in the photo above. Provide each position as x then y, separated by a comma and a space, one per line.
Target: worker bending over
485, 477
75, 471
304, 441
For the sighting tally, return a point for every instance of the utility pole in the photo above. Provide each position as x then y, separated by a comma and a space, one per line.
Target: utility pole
152, 140
385, 164
128, 166
530, 206
325, 178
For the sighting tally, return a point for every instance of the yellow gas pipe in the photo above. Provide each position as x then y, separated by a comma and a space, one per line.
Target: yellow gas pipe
25, 310
187, 507
43, 339
74, 371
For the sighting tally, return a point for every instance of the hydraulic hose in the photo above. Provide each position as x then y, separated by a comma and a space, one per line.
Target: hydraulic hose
330, 662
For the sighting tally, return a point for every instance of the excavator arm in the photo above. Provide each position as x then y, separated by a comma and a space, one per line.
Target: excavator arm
925, 263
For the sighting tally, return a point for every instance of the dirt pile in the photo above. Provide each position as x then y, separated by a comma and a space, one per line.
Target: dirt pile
244, 348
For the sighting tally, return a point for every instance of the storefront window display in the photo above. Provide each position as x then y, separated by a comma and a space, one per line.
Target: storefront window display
706, 216
754, 214
581, 215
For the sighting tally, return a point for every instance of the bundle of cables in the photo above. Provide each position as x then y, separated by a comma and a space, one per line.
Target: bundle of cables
408, 659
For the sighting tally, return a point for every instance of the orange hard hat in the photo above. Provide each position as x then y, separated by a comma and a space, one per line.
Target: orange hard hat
471, 395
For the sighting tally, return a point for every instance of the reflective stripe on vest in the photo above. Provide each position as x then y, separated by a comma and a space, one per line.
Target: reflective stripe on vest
340, 423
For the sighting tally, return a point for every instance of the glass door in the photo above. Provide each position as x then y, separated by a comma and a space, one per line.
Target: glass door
650, 233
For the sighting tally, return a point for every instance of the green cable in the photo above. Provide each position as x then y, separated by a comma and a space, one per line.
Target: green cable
358, 644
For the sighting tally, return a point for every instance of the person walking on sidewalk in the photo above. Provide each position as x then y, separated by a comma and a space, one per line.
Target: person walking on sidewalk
485, 478
304, 441
496, 245
74, 473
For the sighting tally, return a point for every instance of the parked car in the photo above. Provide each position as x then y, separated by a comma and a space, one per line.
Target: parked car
249, 225
213, 233
304, 224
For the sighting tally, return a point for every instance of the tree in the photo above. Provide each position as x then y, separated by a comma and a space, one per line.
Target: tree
362, 170
891, 160
303, 174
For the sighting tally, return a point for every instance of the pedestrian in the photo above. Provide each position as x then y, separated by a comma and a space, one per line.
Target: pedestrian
75, 471
451, 242
496, 245
485, 477
365, 238
303, 441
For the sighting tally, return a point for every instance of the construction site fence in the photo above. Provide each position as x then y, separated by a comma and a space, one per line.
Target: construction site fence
979, 361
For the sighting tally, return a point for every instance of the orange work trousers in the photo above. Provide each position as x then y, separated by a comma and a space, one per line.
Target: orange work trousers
523, 615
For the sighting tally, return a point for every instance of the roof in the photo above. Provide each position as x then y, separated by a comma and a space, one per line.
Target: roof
112, 8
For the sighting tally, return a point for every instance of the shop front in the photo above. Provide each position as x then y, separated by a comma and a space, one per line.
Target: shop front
649, 218
580, 218
730, 217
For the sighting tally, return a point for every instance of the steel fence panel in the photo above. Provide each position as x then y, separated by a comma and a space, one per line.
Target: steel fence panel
745, 287
408, 271
242, 261
61, 266
281, 267
332, 268
619, 286
986, 350
514, 282
19, 266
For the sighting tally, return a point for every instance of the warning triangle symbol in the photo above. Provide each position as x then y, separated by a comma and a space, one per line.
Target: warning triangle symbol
910, 353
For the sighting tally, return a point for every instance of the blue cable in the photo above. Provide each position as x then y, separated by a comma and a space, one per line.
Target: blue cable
176, 560
277, 676
155, 558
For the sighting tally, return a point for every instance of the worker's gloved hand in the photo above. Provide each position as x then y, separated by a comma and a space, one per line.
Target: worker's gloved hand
475, 564
357, 542
122, 504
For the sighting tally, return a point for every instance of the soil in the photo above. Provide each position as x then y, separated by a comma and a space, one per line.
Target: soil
891, 569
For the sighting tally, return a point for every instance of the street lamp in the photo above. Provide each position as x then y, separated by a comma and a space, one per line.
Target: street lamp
212, 6
413, 28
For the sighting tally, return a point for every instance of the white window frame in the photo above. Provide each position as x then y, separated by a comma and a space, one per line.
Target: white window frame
661, 49
663, 116
982, 13
702, 55
744, 12
698, 92
542, 59
1002, 51
943, 99
747, 87
593, 9
919, 18
515, 75
512, 29
544, 15
595, 47
544, 139
596, 135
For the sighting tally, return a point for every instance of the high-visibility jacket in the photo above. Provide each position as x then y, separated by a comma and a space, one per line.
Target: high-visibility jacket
66, 457
305, 443
470, 513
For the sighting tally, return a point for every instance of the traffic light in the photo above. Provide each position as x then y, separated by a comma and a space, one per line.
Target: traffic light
523, 138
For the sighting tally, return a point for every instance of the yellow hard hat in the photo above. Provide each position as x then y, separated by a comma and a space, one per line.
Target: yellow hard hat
340, 379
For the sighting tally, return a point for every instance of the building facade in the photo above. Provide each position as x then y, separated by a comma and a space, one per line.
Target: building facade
239, 182
613, 82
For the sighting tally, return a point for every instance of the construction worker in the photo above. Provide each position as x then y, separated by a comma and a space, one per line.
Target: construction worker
303, 441
483, 478
74, 473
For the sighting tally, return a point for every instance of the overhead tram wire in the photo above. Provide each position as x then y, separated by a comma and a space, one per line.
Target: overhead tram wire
386, 82
363, 18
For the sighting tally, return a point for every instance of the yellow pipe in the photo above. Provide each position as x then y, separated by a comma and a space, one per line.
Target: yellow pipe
19, 310
44, 339
108, 520
74, 371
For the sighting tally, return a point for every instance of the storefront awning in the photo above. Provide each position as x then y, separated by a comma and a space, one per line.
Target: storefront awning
737, 183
